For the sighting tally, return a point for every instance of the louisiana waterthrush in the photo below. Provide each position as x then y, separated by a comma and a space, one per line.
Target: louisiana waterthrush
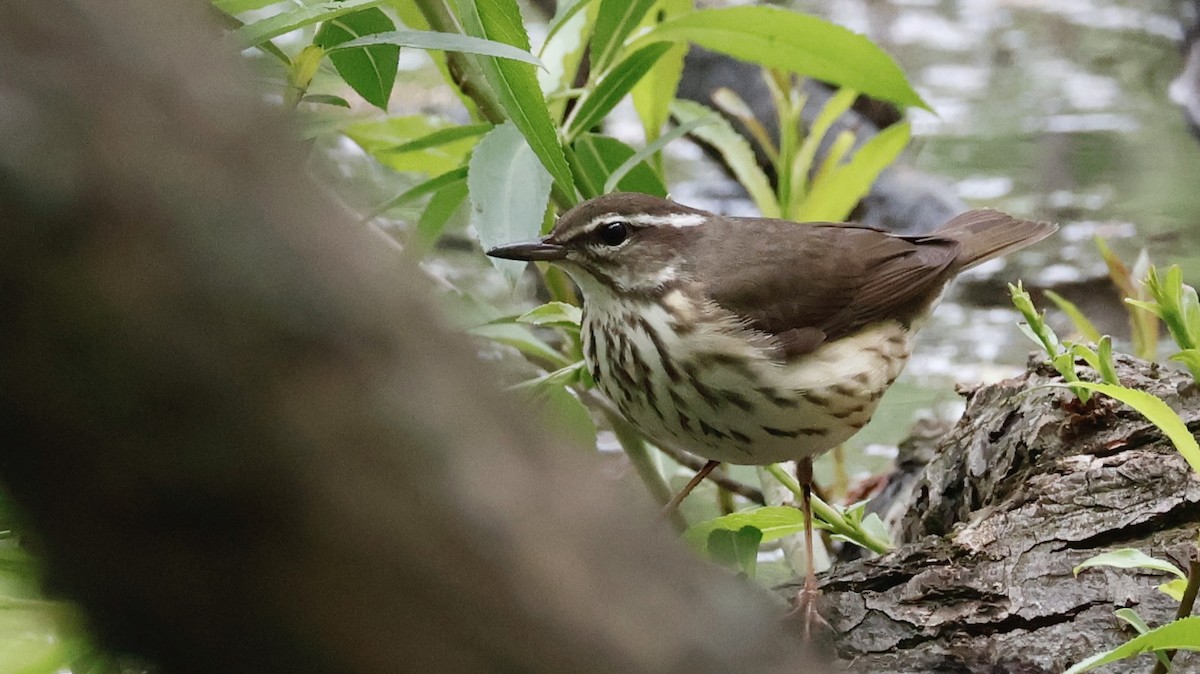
754, 340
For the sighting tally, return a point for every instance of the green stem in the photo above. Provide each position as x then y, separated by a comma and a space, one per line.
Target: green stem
830, 515
465, 70
1186, 605
639, 455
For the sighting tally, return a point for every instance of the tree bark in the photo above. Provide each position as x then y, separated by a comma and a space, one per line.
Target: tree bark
241, 436
1027, 486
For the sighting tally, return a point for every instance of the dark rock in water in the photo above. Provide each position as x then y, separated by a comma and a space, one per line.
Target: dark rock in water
902, 199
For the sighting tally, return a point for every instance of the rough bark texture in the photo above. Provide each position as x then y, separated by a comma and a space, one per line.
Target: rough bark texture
243, 438
1027, 486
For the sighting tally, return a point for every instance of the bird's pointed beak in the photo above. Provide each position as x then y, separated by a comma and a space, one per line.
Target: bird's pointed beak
530, 251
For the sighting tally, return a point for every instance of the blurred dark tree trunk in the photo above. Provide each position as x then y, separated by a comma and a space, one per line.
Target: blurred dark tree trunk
240, 435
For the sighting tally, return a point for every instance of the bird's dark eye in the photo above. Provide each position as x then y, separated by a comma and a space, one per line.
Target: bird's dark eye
613, 233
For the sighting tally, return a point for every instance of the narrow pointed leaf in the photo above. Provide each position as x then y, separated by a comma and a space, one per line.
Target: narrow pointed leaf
1158, 413
442, 206
598, 156
834, 108
734, 149
1085, 327
419, 190
645, 153
431, 39
239, 6
520, 338
516, 85
563, 50
616, 19
274, 26
1182, 634
653, 94
1191, 360
610, 90
553, 314
835, 193
798, 43
441, 137
326, 99
1129, 558
567, 10
405, 143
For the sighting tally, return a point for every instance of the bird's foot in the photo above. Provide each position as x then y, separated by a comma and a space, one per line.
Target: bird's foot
805, 616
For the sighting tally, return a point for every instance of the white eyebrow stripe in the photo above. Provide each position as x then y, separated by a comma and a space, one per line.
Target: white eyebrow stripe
676, 220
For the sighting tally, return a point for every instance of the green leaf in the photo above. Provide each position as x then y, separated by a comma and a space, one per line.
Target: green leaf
1158, 413
653, 94
1107, 369
1174, 588
834, 194
419, 190
1083, 326
873, 525
1129, 558
563, 50
444, 203
1135, 621
520, 338
612, 88
1152, 307
369, 70
516, 86
564, 412
386, 140
1101, 362
553, 314
598, 156
564, 376
326, 99
432, 39
1191, 360
729, 102
736, 550
509, 189
567, 10
239, 6
441, 137
1182, 634
614, 22
834, 108
645, 153
1035, 323
773, 521
273, 26
734, 150
798, 43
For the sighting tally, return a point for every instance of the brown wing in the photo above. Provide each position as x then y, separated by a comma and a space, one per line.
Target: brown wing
810, 283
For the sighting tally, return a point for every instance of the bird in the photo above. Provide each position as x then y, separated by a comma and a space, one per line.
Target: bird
755, 340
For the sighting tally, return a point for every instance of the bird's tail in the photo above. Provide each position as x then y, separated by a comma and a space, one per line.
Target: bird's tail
986, 234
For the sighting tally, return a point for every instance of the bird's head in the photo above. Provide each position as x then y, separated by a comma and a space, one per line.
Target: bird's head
620, 243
